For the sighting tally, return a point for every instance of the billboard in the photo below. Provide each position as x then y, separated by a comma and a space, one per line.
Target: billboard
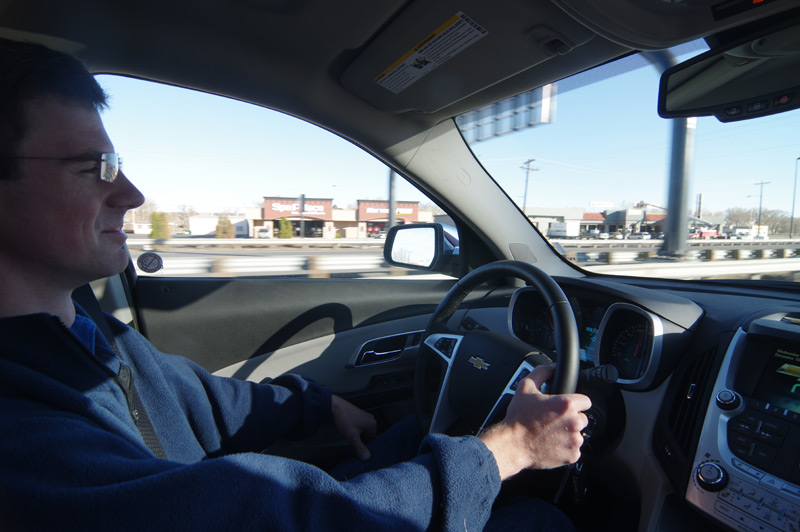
528, 109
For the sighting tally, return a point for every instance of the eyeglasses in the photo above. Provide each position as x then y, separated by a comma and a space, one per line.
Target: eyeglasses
108, 170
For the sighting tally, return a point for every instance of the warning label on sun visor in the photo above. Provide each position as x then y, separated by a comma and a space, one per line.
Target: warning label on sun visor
448, 40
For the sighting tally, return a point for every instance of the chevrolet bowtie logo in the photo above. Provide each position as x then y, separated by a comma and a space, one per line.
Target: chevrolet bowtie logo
479, 363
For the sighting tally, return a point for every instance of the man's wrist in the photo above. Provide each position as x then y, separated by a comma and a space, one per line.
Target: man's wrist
502, 442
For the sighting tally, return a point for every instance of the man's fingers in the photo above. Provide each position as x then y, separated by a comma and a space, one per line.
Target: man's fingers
361, 450
541, 374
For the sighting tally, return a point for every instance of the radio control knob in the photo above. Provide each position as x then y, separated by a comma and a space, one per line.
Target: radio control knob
711, 476
728, 400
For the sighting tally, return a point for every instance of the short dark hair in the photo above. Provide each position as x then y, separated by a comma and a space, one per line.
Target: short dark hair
29, 71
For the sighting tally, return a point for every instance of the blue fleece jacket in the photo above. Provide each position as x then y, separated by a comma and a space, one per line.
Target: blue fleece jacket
71, 457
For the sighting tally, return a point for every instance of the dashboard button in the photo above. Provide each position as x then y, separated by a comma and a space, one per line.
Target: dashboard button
741, 465
711, 476
774, 426
791, 489
740, 440
763, 455
771, 482
740, 426
728, 400
768, 437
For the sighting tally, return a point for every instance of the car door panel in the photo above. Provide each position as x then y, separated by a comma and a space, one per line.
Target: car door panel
257, 328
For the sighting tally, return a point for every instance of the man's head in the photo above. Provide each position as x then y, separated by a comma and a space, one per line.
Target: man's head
60, 224
30, 71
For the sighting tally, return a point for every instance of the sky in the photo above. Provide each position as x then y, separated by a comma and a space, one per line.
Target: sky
181, 147
606, 147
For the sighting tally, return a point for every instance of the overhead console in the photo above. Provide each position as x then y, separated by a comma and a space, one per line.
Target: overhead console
746, 470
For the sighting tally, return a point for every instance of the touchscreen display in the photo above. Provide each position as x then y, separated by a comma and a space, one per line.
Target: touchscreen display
780, 382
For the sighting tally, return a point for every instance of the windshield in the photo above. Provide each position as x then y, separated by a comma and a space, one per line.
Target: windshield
592, 164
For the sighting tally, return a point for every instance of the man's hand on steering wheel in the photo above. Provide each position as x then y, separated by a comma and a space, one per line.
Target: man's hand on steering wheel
539, 431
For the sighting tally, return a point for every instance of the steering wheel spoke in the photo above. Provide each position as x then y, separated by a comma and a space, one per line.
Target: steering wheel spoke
445, 346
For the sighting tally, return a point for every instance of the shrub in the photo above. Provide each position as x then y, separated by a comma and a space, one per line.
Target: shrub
285, 229
224, 228
159, 225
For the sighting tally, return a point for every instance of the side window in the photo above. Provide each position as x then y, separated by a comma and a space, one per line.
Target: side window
233, 189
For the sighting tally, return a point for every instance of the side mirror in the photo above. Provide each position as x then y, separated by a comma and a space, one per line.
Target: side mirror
423, 246
749, 78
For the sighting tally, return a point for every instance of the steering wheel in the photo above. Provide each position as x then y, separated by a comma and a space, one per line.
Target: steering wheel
464, 381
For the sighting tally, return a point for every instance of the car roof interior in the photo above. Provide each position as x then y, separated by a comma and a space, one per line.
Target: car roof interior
319, 60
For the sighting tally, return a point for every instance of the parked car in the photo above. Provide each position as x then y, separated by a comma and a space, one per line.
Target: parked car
691, 367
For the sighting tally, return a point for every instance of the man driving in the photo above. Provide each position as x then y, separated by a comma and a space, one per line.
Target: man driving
102, 430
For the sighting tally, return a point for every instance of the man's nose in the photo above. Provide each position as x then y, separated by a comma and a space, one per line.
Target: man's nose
125, 193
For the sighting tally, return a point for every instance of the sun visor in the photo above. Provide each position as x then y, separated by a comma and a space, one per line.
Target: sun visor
424, 59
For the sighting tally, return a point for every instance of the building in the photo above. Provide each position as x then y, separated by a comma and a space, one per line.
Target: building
317, 218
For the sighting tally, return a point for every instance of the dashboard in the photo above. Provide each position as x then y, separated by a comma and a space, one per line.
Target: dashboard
709, 385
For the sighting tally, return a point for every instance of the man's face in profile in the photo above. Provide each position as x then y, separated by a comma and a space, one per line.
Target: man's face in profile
59, 223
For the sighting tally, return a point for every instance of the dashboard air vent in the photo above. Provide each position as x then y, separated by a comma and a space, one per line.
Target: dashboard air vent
686, 414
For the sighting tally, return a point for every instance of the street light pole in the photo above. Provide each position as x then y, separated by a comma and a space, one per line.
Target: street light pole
794, 195
760, 197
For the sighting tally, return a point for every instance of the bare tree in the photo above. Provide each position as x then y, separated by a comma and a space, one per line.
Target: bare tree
777, 221
182, 217
739, 216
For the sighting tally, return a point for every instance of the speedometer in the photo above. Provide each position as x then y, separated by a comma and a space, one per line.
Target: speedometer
629, 351
630, 339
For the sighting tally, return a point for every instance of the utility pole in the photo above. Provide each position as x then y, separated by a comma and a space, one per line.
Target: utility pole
794, 193
682, 154
760, 197
527, 167
392, 219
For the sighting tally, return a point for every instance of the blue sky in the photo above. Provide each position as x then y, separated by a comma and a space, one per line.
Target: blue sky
613, 147
187, 148
606, 145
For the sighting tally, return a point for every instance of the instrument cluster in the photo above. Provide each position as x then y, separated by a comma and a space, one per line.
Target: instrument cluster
610, 332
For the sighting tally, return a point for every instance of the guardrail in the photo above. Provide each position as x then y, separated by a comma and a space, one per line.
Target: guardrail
707, 258
243, 243
621, 251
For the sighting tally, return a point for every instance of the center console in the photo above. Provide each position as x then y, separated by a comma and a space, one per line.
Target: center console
746, 472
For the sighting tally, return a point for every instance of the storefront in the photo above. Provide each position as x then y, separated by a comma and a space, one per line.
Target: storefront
373, 215
315, 218
309, 217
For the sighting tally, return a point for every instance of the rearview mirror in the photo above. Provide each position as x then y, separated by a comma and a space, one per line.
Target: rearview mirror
753, 77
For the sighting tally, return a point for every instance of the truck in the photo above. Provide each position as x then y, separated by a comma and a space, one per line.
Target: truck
564, 229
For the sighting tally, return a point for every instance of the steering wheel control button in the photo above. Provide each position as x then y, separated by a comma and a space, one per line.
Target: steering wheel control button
521, 375
445, 346
711, 476
728, 400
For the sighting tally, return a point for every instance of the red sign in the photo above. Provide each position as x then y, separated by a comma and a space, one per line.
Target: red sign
317, 209
368, 211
